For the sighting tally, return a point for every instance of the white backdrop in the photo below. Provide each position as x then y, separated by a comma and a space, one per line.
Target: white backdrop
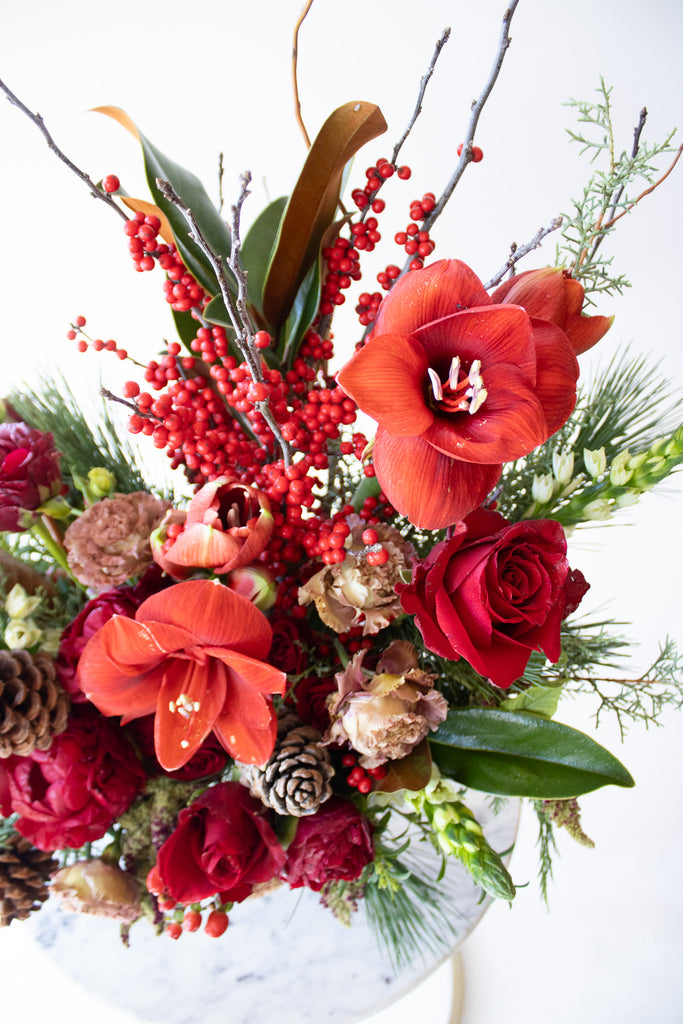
215, 76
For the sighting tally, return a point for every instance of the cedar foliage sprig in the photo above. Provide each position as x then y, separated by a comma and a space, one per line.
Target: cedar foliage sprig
609, 193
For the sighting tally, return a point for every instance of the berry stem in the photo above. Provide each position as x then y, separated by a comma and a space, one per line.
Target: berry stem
40, 124
424, 81
518, 252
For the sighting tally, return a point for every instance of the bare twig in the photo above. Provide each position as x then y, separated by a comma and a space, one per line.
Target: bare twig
518, 252
40, 124
237, 308
295, 81
477, 108
424, 81
220, 182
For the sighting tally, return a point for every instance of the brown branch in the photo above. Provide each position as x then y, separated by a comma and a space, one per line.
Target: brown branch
424, 81
646, 192
237, 308
518, 252
477, 108
40, 124
295, 82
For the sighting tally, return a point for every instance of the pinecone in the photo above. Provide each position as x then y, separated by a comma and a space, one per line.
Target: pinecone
296, 778
33, 706
24, 874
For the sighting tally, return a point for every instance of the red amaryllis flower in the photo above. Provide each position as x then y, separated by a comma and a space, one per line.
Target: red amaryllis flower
458, 386
332, 845
227, 525
549, 293
29, 474
494, 592
70, 794
222, 844
193, 655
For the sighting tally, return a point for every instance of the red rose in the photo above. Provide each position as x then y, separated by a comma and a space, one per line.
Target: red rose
222, 844
288, 649
310, 698
29, 474
332, 845
494, 592
70, 794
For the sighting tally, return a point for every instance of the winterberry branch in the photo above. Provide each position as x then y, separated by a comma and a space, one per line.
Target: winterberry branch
520, 251
424, 81
477, 108
237, 309
40, 124
295, 81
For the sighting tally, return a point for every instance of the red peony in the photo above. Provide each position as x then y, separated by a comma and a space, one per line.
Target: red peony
222, 844
494, 592
122, 601
549, 293
194, 657
70, 794
458, 386
29, 475
332, 845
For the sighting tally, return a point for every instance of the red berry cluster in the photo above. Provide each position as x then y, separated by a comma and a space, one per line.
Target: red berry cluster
96, 344
361, 778
189, 918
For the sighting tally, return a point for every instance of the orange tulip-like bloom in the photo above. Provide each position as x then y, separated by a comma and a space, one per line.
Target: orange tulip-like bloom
193, 655
458, 386
227, 525
550, 294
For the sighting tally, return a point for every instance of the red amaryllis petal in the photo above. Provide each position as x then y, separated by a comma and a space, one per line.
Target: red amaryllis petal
260, 676
111, 691
421, 296
247, 726
190, 699
438, 490
213, 614
542, 292
133, 647
585, 331
493, 334
509, 424
558, 372
204, 547
388, 379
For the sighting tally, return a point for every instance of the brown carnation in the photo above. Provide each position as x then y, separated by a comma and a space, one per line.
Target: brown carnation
352, 592
109, 543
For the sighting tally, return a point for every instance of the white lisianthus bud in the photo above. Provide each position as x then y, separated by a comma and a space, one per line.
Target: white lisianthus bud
22, 633
630, 498
51, 640
563, 466
595, 461
18, 604
620, 471
598, 509
543, 488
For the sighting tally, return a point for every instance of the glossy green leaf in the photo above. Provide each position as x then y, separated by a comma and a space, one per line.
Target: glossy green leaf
521, 754
257, 248
193, 194
301, 315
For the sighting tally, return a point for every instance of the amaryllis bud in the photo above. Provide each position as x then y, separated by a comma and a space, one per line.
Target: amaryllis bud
29, 475
96, 887
227, 526
256, 585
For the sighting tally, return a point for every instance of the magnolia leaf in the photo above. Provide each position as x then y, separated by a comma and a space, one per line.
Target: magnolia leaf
257, 248
312, 205
411, 772
193, 194
521, 754
149, 210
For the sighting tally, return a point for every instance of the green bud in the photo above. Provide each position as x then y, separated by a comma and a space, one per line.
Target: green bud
621, 470
101, 482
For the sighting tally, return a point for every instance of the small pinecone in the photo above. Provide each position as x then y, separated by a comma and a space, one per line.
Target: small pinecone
24, 874
296, 779
33, 706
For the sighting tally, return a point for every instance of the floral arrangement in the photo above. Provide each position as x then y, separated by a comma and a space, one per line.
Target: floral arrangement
290, 666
